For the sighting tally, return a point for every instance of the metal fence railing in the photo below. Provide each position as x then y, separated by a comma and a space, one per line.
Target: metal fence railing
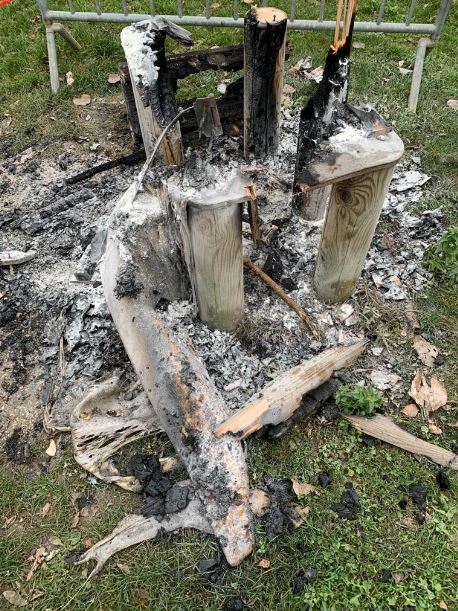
234, 18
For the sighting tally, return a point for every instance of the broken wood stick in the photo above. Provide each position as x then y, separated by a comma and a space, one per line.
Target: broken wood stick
265, 42
107, 165
281, 293
386, 430
278, 401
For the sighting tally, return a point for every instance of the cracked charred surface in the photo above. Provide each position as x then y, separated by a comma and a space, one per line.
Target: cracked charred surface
177, 383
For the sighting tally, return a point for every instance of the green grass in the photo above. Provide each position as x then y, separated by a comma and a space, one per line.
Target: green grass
348, 555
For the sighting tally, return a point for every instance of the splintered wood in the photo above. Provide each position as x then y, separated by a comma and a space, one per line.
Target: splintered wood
386, 430
281, 398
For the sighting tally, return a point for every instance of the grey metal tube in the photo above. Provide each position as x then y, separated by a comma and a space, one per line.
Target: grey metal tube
411, 11
189, 20
440, 19
423, 44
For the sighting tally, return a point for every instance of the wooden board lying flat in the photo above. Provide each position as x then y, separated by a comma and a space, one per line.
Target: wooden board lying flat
386, 430
282, 397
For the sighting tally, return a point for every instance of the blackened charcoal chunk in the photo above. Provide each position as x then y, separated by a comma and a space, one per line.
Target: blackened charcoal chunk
157, 486
349, 505
288, 284
208, 565
143, 467
234, 604
386, 576
443, 480
273, 266
418, 494
305, 576
281, 488
176, 498
154, 506
324, 479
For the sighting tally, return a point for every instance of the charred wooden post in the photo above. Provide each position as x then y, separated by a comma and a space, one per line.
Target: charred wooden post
144, 47
353, 150
129, 100
318, 122
265, 41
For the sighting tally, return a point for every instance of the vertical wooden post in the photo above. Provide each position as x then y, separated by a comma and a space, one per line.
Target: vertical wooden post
311, 205
353, 212
216, 243
144, 46
265, 40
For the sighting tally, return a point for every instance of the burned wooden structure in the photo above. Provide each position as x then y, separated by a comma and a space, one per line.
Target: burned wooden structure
177, 235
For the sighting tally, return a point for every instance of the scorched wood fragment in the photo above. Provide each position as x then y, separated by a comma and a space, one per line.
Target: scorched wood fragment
144, 47
186, 402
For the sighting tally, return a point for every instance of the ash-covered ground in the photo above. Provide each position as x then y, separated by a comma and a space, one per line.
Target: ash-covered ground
56, 333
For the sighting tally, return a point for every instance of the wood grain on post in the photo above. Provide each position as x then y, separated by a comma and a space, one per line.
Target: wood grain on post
353, 212
216, 244
265, 42
311, 206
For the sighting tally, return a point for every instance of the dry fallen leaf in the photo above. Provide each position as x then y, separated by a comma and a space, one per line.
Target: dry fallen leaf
69, 78
358, 45
410, 410
264, 563
453, 425
51, 450
124, 568
443, 605
435, 430
14, 598
298, 514
45, 509
408, 523
288, 89
397, 577
259, 501
426, 351
83, 100
215, 5
113, 78
37, 559
452, 104
405, 71
430, 398
303, 489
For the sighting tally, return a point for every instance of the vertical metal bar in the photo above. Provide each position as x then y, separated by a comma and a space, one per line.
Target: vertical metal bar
71, 6
236, 9
52, 58
380, 13
151, 8
180, 8
417, 73
125, 10
440, 19
411, 12
98, 9
292, 15
207, 9
322, 7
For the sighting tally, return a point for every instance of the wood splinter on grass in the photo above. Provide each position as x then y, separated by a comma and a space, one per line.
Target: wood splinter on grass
281, 293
